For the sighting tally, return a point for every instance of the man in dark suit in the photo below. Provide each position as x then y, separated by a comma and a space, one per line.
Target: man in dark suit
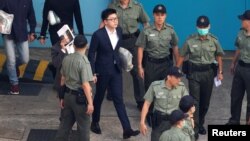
105, 62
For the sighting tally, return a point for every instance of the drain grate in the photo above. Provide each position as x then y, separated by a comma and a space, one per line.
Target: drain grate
47, 135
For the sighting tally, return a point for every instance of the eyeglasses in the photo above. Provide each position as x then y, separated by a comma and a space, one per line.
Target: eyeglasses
112, 19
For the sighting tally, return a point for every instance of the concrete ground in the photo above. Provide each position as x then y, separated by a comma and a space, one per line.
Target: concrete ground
19, 114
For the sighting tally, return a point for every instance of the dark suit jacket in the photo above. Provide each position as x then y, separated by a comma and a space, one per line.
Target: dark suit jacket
101, 55
57, 55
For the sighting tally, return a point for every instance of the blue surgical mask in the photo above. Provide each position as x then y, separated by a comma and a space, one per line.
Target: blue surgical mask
203, 31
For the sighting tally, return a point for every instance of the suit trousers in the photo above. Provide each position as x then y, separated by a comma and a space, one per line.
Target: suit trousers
73, 112
114, 83
200, 87
240, 85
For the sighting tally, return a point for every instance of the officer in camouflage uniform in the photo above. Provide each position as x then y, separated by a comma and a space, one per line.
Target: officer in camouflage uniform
203, 49
76, 74
130, 14
175, 133
165, 95
153, 48
241, 71
153, 44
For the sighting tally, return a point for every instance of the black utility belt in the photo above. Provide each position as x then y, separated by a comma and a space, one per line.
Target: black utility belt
243, 64
164, 116
127, 36
132, 35
68, 90
158, 60
80, 96
201, 68
158, 118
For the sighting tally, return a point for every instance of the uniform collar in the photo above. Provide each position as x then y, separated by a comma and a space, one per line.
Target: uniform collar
197, 37
80, 53
163, 85
163, 27
175, 128
245, 33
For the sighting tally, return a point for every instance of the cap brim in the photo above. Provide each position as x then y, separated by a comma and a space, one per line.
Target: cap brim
160, 11
203, 25
180, 118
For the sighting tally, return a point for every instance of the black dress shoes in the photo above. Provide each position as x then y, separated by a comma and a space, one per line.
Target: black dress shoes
95, 128
202, 130
128, 133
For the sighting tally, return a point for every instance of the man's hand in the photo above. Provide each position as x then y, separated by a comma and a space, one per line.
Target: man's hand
42, 41
90, 109
63, 42
232, 68
61, 103
94, 78
141, 72
31, 37
220, 76
143, 128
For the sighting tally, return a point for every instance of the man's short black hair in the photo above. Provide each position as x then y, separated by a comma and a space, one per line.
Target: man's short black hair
80, 41
107, 12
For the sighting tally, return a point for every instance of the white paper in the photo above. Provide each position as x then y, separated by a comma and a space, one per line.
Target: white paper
217, 82
69, 36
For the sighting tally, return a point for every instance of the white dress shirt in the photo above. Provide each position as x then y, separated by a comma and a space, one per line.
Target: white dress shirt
113, 37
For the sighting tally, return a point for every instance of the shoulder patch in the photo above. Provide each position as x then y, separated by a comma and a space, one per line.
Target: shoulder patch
242, 31
213, 36
156, 83
136, 2
147, 29
192, 36
169, 25
85, 59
